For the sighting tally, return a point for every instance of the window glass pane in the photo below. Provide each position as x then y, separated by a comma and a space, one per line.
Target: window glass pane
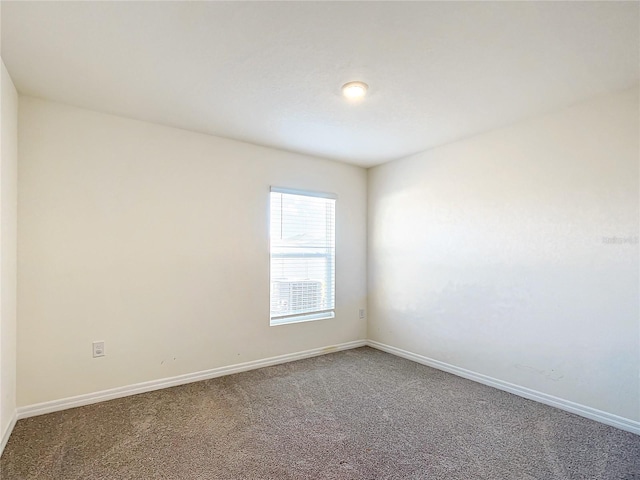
302, 256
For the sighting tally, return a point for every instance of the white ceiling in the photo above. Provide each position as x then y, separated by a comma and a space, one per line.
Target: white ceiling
270, 73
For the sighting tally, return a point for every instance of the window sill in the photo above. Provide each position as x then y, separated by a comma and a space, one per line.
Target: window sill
309, 317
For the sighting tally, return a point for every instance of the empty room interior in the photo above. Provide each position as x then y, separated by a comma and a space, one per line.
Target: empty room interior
320, 240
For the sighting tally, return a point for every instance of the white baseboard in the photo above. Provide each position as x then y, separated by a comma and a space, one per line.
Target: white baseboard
582, 410
7, 432
104, 395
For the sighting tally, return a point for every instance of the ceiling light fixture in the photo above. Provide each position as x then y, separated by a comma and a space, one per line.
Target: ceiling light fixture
354, 90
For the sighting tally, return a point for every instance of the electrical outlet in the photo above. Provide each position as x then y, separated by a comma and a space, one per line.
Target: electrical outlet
361, 313
98, 349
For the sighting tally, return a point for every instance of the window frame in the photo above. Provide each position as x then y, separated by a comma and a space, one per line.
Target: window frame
307, 316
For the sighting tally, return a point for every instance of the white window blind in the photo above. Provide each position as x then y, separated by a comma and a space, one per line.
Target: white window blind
302, 256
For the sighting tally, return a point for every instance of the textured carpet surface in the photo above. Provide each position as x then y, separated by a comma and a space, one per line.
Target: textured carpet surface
358, 414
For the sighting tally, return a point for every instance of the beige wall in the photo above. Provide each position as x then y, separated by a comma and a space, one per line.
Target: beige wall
8, 213
155, 240
493, 254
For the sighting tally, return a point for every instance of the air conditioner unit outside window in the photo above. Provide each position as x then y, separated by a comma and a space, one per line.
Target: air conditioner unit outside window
299, 296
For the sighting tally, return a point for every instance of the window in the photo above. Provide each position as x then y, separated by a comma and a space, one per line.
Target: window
302, 256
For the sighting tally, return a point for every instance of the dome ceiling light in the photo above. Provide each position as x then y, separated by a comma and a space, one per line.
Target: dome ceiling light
354, 90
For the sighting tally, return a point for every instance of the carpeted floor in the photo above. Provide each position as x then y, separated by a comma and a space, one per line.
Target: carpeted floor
358, 414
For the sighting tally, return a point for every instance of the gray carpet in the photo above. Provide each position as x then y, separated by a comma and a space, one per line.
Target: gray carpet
359, 414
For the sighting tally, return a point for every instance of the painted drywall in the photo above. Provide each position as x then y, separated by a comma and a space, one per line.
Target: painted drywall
8, 229
155, 240
514, 254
